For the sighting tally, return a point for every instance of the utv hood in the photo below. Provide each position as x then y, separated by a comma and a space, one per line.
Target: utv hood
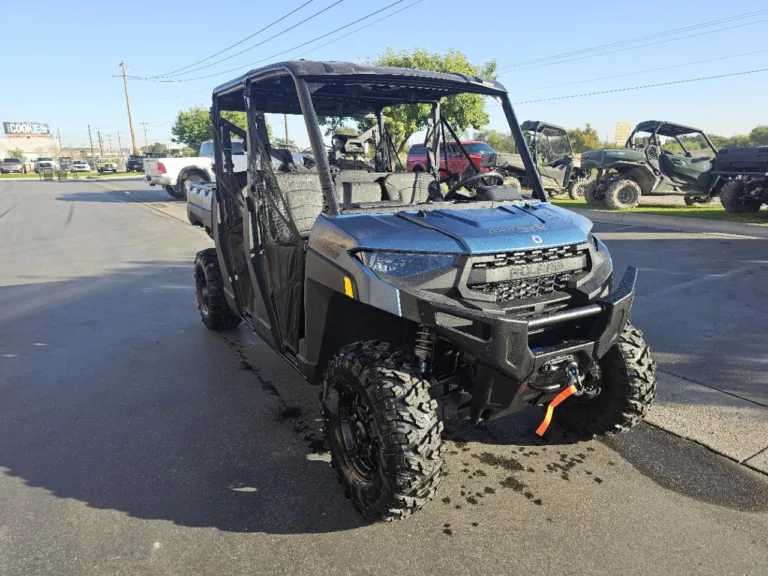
476, 231
608, 156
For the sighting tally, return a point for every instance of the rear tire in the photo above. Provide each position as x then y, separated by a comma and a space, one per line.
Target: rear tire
733, 199
382, 430
514, 182
214, 310
622, 195
173, 193
626, 380
187, 179
591, 194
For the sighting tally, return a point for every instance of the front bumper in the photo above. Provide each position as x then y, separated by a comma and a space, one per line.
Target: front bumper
510, 351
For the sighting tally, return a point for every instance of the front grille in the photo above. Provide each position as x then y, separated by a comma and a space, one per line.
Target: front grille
524, 289
525, 275
529, 257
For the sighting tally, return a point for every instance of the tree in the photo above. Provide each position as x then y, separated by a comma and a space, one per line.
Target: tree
194, 126
759, 136
281, 143
499, 141
402, 121
17, 153
158, 148
586, 139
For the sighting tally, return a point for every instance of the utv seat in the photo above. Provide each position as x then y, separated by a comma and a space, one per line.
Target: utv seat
358, 186
408, 187
304, 196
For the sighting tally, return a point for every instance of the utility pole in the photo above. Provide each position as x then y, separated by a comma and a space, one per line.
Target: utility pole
146, 143
93, 154
119, 146
128, 105
285, 123
109, 139
101, 145
58, 135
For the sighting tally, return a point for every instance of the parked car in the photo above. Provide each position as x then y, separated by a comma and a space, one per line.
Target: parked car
454, 167
79, 166
106, 166
65, 162
12, 165
134, 164
176, 174
46, 164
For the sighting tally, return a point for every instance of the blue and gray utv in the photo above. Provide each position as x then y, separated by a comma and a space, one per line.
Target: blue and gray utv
406, 302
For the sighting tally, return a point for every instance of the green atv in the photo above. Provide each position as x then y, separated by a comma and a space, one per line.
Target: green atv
648, 166
559, 170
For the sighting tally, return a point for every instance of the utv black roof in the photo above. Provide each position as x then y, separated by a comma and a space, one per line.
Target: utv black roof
663, 128
539, 126
344, 88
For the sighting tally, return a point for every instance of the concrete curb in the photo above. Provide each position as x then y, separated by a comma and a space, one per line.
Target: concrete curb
675, 223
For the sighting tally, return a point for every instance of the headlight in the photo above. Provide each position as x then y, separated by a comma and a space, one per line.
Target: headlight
404, 265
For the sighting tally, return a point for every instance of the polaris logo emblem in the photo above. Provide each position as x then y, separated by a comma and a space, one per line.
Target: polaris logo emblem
536, 239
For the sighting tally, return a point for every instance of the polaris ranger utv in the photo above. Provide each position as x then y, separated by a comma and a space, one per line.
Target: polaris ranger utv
405, 303
550, 146
649, 168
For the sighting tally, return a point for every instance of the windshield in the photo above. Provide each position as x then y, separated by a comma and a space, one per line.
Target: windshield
12, 161
45, 159
478, 148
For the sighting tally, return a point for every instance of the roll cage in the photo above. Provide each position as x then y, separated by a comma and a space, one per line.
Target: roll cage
533, 128
656, 128
314, 89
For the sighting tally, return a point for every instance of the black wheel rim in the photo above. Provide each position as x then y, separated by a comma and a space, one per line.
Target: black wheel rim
202, 291
358, 436
626, 195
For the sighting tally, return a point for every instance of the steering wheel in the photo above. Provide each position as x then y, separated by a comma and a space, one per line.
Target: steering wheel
477, 176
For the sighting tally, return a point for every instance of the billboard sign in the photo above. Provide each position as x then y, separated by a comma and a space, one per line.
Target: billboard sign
25, 129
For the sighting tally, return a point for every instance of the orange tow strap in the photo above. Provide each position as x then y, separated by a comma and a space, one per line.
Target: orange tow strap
551, 408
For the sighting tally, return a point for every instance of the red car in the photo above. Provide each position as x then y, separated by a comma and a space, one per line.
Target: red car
457, 163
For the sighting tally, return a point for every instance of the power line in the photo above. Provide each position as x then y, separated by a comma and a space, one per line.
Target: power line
308, 51
244, 50
687, 80
279, 53
241, 41
707, 61
180, 95
527, 63
361, 28
584, 57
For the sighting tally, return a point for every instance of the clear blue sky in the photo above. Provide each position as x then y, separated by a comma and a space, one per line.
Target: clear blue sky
58, 58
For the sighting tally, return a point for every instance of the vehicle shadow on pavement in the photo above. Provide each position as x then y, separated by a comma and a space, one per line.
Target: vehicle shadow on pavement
114, 394
144, 196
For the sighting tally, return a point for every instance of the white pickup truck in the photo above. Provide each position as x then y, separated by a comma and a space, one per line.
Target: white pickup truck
176, 174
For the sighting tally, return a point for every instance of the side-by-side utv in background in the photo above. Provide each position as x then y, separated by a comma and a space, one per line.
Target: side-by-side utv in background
558, 168
647, 167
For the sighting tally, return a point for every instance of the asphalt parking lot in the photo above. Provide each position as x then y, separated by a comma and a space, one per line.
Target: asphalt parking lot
134, 441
